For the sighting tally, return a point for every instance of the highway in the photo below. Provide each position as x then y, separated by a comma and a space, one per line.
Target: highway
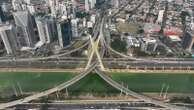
83, 105
134, 94
79, 77
126, 61
109, 63
55, 89
14, 59
110, 60
50, 91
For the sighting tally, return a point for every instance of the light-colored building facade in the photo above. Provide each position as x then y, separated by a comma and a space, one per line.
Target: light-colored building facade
24, 24
8, 35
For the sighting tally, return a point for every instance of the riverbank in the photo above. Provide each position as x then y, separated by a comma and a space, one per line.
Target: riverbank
30, 82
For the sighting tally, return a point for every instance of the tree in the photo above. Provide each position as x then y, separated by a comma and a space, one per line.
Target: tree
119, 45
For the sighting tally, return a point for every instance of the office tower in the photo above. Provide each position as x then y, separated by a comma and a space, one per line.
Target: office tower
1, 43
5, 7
17, 5
70, 10
115, 3
93, 18
31, 5
64, 32
46, 29
74, 8
41, 29
31, 9
62, 10
160, 16
92, 3
24, 24
148, 44
8, 35
87, 6
2, 16
53, 6
84, 22
74, 28
99, 2
188, 41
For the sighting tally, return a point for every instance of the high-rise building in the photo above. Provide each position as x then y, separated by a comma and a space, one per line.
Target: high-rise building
188, 41
17, 5
74, 28
8, 35
64, 32
115, 3
46, 29
53, 6
84, 22
1, 44
5, 7
2, 16
99, 2
33, 6
92, 3
24, 24
74, 8
93, 18
62, 10
87, 6
70, 10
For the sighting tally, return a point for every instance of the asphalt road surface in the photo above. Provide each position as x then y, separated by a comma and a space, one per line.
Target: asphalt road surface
98, 106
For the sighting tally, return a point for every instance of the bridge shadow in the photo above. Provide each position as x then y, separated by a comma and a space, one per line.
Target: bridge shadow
92, 84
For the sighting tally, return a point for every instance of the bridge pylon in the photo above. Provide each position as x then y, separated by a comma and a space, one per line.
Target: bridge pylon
94, 51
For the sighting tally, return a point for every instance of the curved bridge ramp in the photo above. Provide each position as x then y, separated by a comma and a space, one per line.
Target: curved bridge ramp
50, 91
134, 94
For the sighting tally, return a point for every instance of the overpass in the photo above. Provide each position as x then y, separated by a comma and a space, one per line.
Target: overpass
91, 67
82, 75
136, 95
50, 91
79, 77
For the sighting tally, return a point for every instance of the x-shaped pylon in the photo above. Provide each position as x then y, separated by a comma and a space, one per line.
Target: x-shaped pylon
95, 45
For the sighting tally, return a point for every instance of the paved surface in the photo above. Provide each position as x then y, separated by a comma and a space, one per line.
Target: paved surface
134, 94
50, 91
138, 61
90, 106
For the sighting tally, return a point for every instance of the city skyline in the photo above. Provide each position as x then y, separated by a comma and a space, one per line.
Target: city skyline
97, 38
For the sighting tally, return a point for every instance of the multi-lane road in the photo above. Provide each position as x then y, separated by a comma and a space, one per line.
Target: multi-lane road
134, 94
50, 91
95, 105
109, 62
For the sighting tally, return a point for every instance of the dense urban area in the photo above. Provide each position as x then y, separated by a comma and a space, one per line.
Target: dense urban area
96, 54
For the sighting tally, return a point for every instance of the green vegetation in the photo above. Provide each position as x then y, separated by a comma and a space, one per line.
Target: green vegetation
178, 83
31, 81
92, 83
119, 45
181, 83
149, 82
